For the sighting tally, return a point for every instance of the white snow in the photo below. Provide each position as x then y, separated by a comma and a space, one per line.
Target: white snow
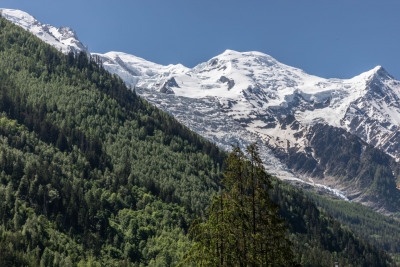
260, 82
64, 39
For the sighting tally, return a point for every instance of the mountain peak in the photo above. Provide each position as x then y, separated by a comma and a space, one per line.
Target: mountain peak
18, 17
230, 51
63, 38
237, 54
379, 71
376, 75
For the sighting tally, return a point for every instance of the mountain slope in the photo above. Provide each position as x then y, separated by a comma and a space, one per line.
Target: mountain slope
245, 97
376, 228
84, 158
92, 174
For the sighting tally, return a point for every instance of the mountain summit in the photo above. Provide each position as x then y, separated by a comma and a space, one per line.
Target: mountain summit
255, 87
63, 38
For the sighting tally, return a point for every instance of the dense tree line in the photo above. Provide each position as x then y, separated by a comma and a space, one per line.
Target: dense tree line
378, 229
91, 174
315, 234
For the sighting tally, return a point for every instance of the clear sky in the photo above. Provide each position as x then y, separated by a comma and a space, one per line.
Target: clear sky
332, 39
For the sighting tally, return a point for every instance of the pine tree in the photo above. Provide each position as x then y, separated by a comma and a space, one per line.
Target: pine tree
243, 227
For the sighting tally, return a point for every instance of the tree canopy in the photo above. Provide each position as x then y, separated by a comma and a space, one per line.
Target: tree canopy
243, 227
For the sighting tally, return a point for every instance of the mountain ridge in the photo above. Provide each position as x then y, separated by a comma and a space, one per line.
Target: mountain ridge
242, 97
62, 38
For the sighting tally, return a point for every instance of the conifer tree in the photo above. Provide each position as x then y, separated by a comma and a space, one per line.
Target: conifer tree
243, 227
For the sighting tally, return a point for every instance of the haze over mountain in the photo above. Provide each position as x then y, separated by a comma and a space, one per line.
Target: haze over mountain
242, 97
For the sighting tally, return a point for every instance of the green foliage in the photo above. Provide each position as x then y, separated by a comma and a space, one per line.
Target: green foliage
378, 229
92, 175
318, 239
243, 227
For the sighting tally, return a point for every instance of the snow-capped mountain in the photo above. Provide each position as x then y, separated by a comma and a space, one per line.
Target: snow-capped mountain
257, 90
242, 97
63, 38
245, 97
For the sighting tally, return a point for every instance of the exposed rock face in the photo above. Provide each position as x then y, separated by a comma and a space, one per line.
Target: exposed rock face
230, 82
168, 85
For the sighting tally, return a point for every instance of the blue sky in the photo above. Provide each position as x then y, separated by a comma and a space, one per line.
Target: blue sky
340, 38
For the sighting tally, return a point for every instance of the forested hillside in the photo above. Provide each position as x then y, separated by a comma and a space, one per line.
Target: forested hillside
378, 229
87, 167
92, 174
320, 240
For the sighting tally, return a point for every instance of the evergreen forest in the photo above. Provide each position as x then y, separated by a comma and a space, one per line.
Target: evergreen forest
93, 175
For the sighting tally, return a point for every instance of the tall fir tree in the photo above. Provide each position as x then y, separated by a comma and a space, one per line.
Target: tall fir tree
243, 227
